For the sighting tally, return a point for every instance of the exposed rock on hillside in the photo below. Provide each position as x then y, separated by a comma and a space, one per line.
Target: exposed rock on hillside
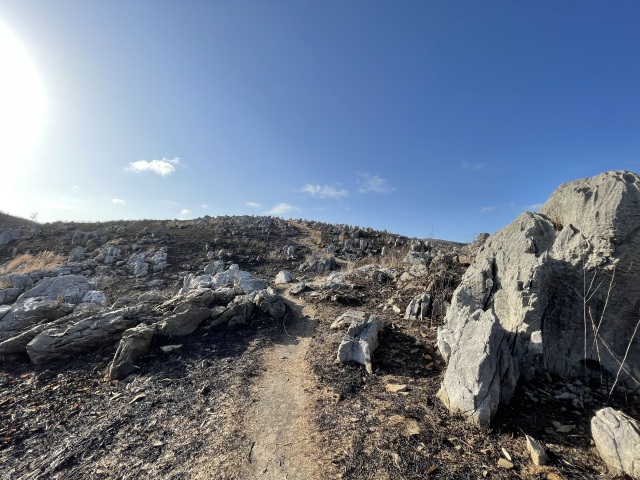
569, 276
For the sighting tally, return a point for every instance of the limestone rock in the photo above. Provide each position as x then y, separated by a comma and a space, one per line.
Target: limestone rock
283, 277
76, 255
481, 372
361, 341
537, 451
317, 263
585, 238
28, 313
617, 438
298, 288
347, 318
418, 308
87, 335
9, 295
137, 265
66, 289
134, 343
184, 320
11, 234
214, 268
270, 304
248, 283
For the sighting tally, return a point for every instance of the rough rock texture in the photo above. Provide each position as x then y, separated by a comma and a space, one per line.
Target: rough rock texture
481, 373
418, 308
248, 283
134, 343
67, 289
88, 334
361, 341
534, 274
270, 304
347, 318
283, 277
29, 313
184, 320
617, 438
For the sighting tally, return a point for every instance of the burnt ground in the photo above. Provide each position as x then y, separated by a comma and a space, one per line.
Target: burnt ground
187, 414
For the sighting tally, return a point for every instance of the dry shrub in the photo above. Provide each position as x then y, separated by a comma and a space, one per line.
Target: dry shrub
26, 262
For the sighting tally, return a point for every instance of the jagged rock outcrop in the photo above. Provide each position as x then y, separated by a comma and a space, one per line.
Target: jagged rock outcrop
481, 372
617, 438
186, 318
361, 341
283, 277
418, 307
75, 338
134, 343
569, 276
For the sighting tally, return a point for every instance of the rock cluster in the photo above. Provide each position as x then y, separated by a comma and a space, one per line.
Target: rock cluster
555, 290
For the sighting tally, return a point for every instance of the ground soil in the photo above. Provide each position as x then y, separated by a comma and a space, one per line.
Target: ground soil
268, 400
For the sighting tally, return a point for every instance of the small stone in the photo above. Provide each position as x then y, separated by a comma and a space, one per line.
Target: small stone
396, 387
170, 348
537, 452
504, 463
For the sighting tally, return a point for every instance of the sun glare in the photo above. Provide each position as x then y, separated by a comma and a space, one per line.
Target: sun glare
21, 102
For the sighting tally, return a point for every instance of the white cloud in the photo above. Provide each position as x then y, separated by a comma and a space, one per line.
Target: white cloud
204, 205
253, 204
533, 208
282, 208
369, 183
162, 167
323, 191
117, 201
488, 209
474, 167
185, 212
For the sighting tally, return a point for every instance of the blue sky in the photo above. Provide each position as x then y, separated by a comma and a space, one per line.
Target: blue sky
438, 118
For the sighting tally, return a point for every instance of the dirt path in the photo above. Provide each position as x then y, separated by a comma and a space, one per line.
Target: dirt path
281, 428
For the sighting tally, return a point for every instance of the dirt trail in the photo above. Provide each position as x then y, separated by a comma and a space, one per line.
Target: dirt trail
281, 426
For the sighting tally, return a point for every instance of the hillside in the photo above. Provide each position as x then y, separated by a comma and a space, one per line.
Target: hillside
263, 398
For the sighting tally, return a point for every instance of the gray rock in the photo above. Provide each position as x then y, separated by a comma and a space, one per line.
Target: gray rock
347, 318
66, 289
481, 372
283, 277
298, 288
617, 439
270, 304
87, 335
11, 234
235, 314
361, 341
418, 307
9, 295
184, 320
137, 265
213, 268
134, 343
416, 258
335, 281
76, 255
585, 239
317, 263
95, 296
27, 314
21, 281
248, 283
536, 451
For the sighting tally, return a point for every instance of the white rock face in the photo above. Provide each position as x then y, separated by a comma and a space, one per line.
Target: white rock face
534, 273
283, 277
482, 372
617, 438
361, 341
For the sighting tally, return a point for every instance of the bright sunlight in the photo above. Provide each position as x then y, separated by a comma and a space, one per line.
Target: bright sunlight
21, 102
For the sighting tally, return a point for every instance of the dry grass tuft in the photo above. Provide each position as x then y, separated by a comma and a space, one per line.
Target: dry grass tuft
26, 262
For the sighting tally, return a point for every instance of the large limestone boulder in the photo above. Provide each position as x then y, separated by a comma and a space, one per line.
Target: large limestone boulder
89, 334
569, 276
66, 288
617, 438
482, 372
186, 318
